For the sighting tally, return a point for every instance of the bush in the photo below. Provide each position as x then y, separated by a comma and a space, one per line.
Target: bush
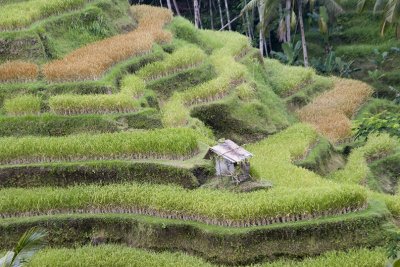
23, 105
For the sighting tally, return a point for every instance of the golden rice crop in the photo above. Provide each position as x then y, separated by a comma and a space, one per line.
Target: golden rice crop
18, 71
330, 112
91, 61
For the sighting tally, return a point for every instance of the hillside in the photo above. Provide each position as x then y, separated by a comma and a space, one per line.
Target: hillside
107, 113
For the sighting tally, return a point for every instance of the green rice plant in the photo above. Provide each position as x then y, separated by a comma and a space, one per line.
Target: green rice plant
132, 86
205, 205
93, 104
163, 143
273, 158
17, 15
175, 113
356, 169
125, 101
112, 255
355, 258
22, 105
183, 58
278, 77
118, 256
245, 92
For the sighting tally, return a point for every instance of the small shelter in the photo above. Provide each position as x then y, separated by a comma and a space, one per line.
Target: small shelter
230, 160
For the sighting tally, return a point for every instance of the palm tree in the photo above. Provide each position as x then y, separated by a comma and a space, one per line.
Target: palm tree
197, 20
30, 243
303, 36
391, 13
266, 11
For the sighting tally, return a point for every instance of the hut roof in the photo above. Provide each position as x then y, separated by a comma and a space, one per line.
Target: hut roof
230, 151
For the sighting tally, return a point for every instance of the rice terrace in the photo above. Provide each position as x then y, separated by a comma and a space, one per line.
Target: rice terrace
199, 133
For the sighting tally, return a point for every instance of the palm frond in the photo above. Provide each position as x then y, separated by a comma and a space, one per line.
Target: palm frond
379, 4
250, 5
28, 245
392, 11
361, 5
333, 7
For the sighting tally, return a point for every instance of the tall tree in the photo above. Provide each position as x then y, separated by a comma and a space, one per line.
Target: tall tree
169, 5
211, 14
197, 21
176, 7
267, 9
228, 15
288, 20
220, 13
303, 36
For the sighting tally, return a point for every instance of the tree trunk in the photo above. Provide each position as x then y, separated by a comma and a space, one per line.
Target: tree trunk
247, 16
303, 37
261, 32
196, 13
211, 15
161, 3
169, 5
220, 13
227, 15
176, 7
288, 19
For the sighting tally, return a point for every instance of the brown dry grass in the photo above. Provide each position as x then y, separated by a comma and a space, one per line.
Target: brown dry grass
330, 112
18, 71
91, 61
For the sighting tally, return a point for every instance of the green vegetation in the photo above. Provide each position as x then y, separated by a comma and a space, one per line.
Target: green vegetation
113, 255
209, 206
101, 173
33, 10
182, 58
107, 255
164, 143
22, 105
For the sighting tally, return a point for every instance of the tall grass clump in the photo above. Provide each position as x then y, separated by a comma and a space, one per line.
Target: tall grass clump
22, 105
278, 74
91, 61
204, 205
164, 143
183, 58
18, 15
112, 255
330, 112
18, 71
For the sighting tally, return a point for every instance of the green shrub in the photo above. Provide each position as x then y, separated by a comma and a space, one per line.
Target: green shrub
163, 143
23, 105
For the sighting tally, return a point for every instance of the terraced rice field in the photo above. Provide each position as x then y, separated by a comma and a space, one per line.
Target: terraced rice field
90, 152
